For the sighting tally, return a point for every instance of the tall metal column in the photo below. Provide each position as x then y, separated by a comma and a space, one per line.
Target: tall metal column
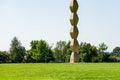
74, 31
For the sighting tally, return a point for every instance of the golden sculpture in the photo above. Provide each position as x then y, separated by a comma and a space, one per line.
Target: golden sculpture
74, 31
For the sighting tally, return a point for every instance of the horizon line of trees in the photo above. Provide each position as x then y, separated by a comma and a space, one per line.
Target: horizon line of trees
41, 52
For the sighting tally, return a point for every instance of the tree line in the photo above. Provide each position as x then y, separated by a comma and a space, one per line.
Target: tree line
41, 52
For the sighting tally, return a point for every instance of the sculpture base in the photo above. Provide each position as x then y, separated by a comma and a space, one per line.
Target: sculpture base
74, 57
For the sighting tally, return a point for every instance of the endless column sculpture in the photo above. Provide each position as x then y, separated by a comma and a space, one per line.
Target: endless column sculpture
74, 31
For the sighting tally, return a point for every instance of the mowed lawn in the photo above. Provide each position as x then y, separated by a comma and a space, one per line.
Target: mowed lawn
60, 71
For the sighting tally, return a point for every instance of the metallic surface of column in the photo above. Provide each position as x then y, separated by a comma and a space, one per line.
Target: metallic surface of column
74, 31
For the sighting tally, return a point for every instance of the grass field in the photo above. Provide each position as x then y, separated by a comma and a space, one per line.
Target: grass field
64, 71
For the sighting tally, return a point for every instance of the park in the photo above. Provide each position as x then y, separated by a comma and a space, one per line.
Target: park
67, 60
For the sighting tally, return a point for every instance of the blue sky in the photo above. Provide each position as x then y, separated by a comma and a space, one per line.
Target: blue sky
49, 20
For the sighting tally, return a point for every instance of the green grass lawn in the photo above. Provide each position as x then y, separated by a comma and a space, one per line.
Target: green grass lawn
57, 71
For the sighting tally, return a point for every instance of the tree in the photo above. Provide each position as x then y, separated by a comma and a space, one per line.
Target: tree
29, 56
40, 52
102, 47
88, 53
106, 57
103, 55
4, 57
116, 51
60, 51
17, 51
115, 55
67, 51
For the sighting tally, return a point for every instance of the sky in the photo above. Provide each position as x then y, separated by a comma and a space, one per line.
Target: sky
99, 21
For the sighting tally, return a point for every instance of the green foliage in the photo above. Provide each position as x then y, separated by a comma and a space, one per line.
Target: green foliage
17, 51
106, 57
116, 51
103, 55
115, 55
62, 51
59, 51
4, 57
67, 52
88, 53
102, 47
40, 52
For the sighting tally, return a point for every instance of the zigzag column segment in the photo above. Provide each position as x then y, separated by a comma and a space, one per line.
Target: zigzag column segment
74, 31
